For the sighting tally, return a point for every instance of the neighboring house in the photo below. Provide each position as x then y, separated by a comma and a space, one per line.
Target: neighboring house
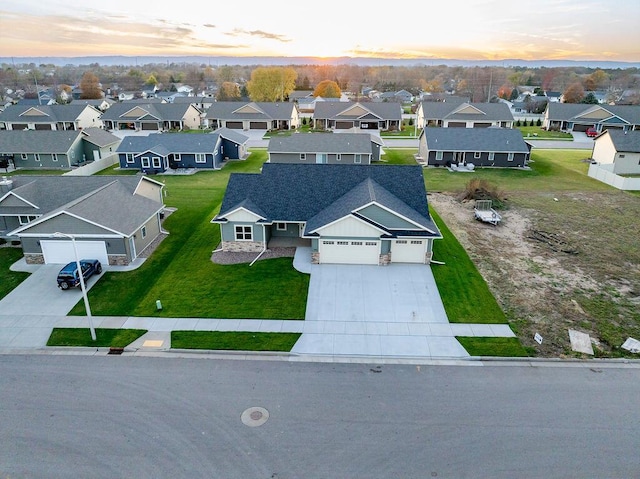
483, 147
253, 115
580, 117
201, 102
57, 149
619, 149
101, 105
554, 96
159, 152
365, 116
400, 96
325, 148
463, 115
169, 96
151, 116
112, 218
126, 95
350, 214
50, 117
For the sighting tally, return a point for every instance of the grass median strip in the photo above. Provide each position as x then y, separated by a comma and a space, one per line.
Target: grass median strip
500, 347
232, 340
81, 337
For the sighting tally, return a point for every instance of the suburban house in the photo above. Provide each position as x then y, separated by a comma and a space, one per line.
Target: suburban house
346, 214
325, 148
101, 104
580, 117
152, 116
366, 116
482, 147
159, 152
253, 115
50, 117
463, 115
112, 218
619, 149
30, 149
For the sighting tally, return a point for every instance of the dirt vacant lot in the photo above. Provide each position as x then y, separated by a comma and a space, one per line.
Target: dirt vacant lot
559, 261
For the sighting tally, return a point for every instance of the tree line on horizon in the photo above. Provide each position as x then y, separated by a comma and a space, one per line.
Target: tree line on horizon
267, 83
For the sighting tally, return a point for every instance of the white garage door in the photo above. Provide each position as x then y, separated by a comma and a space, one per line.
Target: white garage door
349, 252
62, 251
408, 251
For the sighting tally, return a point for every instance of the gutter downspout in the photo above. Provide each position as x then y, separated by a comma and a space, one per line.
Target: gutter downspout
264, 248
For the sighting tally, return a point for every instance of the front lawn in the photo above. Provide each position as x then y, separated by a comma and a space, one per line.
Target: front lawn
10, 279
232, 340
81, 337
180, 272
499, 347
537, 132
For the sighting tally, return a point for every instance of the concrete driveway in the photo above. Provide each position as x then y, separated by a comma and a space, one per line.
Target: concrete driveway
359, 310
39, 294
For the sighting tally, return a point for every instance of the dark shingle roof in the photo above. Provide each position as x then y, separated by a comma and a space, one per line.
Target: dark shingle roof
475, 139
162, 111
569, 111
50, 113
625, 141
323, 193
449, 111
322, 142
165, 143
227, 110
33, 141
99, 137
337, 110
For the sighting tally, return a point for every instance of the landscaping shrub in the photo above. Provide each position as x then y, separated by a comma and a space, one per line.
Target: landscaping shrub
539, 122
518, 123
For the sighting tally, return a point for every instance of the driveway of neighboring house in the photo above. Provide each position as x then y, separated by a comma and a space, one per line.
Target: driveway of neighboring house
359, 310
39, 294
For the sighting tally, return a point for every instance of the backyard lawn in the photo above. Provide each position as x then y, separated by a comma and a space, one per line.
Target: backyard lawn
180, 272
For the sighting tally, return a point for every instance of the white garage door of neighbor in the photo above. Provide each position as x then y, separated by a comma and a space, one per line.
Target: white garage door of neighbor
408, 251
349, 252
61, 252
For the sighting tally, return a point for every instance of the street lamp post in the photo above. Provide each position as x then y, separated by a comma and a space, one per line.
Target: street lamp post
82, 284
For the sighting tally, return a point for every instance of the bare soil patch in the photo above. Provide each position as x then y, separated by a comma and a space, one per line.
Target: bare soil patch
558, 262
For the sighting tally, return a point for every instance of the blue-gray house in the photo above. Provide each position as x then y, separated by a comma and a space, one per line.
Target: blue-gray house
160, 152
346, 214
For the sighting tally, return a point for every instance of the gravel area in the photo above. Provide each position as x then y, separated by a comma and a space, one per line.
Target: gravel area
225, 257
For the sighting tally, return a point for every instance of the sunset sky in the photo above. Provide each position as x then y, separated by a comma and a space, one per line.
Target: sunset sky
462, 29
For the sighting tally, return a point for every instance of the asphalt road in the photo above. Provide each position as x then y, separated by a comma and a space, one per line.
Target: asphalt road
116, 416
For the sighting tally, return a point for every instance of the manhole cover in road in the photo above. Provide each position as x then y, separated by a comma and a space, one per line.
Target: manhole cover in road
255, 416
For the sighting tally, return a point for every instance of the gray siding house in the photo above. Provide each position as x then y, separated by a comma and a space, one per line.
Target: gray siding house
325, 148
580, 117
364, 116
346, 214
50, 117
157, 153
152, 116
112, 218
482, 147
56, 149
619, 150
255, 115
451, 114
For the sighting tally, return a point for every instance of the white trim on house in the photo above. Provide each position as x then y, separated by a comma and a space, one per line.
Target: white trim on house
20, 198
419, 227
244, 232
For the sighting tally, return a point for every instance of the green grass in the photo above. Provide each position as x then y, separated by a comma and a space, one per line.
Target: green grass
465, 294
500, 347
539, 133
80, 337
10, 279
231, 340
180, 272
551, 170
399, 156
115, 170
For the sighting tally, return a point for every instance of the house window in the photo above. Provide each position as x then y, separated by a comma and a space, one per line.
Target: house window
356, 243
244, 233
143, 231
24, 156
37, 156
416, 242
476, 155
156, 162
438, 156
25, 219
54, 157
201, 158
281, 226
177, 157
129, 157
620, 156
145, 162
338, 157
328, 242
357, 159
303, 156
510, 157
343, 243
370, 243
491, 155
401, 242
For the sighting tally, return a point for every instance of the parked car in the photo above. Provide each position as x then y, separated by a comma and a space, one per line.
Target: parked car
591, 132
68, 276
